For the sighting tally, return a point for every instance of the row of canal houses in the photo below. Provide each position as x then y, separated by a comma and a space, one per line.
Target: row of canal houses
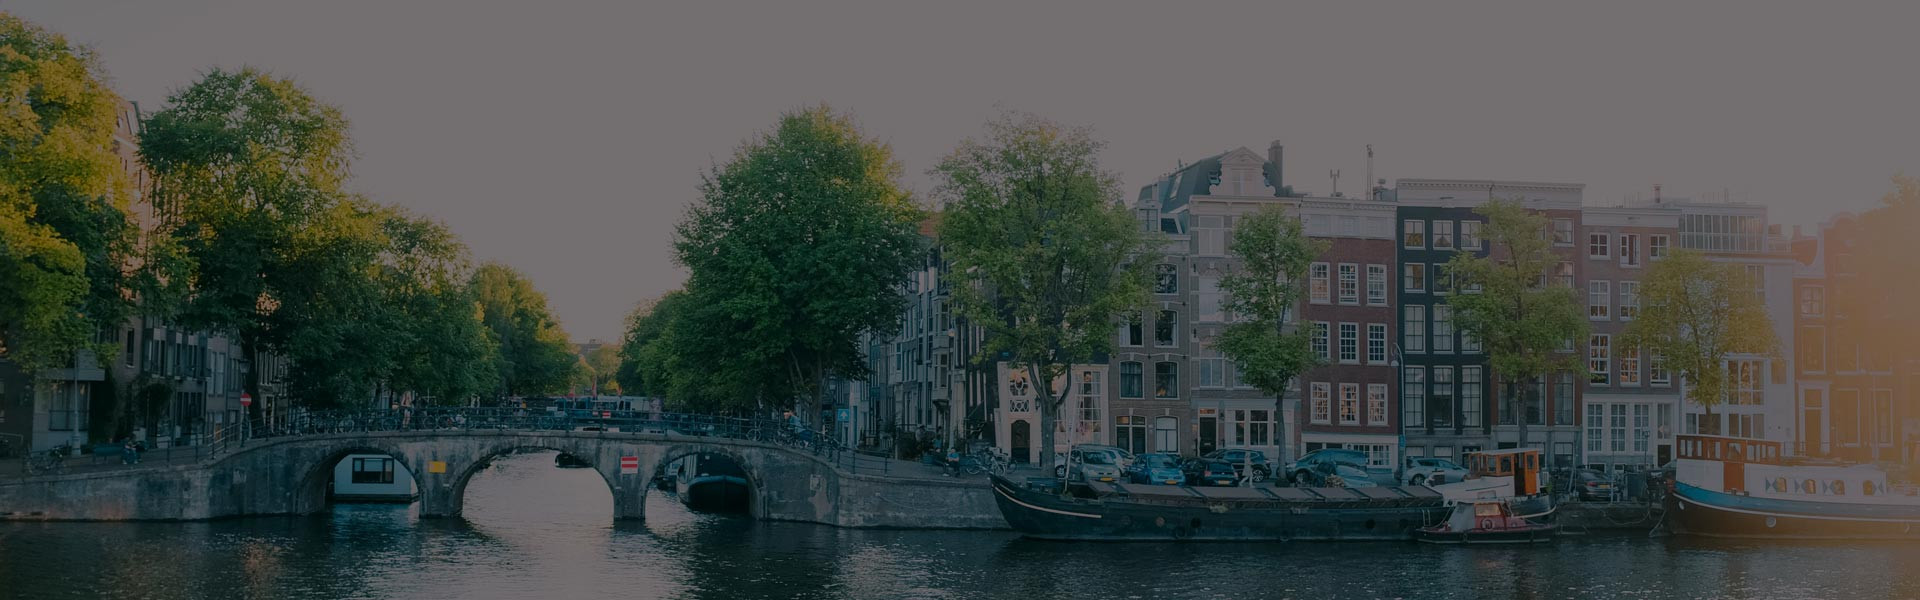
1399, 379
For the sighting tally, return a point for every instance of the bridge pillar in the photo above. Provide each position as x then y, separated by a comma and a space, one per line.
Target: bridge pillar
629, 489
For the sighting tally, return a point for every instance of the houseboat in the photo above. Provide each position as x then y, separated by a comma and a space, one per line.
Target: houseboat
372, 478
1743, 488
1511, 475
1485, 522
1130, 512
711, 483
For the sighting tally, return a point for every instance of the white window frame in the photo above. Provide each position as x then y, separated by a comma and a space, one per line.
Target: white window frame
1470, 231
1601, 240
1377, 404
1629, 299
1471, 397
1413, 234
1629, 373
1349, 399
1377, 285
1414, 336
1319, 283
1320, 403
1563, 232
1659, 245
1600, 359
1599, 300
1413, 278
1348, 285
1377, 343
1442, 238
1442, 326
1349, 343
1630, 250
1322, 342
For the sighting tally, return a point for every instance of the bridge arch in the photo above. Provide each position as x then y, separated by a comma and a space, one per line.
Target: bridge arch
749, 468
310, 495
454, 496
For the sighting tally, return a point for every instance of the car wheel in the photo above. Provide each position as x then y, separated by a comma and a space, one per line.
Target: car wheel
1301, 477
1060, 471
1420, 479
1259, 475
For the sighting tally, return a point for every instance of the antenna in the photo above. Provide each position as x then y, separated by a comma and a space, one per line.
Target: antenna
1369, 180
1656, 193
1335, 174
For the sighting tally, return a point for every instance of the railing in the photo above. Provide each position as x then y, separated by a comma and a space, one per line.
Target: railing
229, 437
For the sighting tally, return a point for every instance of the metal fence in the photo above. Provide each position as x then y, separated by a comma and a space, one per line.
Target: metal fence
228, 437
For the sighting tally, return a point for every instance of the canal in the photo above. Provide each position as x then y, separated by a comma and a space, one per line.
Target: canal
534, 531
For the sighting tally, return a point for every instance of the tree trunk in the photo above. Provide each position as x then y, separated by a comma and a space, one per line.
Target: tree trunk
1049, 414
1521, 402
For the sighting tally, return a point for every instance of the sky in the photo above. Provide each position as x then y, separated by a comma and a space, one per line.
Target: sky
565, 139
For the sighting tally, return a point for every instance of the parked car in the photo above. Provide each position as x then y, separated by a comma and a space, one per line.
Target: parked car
1125, 458
1240, 458
1592, 485
1201, 471
1421, 471
1157, 469
1350, 476
1115, 456
1316, 465
1096, 466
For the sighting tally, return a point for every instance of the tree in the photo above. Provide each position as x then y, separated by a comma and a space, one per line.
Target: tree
797, 246
1273, 254
1694, 312
535, 357
1042, 254
647, 323
605, 362
64, 234
1507, 302
441, 351
1874, 306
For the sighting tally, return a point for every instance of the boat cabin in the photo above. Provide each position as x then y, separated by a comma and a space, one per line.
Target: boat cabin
1521, 464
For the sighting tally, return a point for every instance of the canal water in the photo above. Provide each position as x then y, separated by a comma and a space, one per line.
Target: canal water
534, 531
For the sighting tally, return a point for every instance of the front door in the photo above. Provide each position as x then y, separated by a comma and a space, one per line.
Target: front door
1022, 441
1209, 434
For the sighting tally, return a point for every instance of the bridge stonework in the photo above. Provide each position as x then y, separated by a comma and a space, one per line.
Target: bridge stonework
290, 476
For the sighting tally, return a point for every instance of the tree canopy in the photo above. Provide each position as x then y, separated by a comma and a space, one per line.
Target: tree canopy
1507, 300
1273, 254
1694, 312
1043, 256
535, 357
64, 232
797, 245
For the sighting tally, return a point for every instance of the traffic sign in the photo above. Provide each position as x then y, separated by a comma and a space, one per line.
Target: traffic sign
629, 465
245, 400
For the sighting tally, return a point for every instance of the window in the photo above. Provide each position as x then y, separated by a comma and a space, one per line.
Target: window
1563, 232
1130, 380
1596, 427
1442, 328
1166, 434
1629, 300
1657, 373
1377, 403
1091, 388
1442, 279
1350, 343
1320, 347
1469, 235
1207, 297
1563, 274
1600, 358
1599, 300
1813, 348
1641, 428
1617, 428
1250, 427
1657, 245
1130, 330
1164, 328
1629, 249
1322, 403
1443, 235
1377, 285
1413, 397
1882, 416
1317, 283
1813, 300
1415, 331
1415, 234
1166, 379
1166, 279
1441, 400
1349, 404
1468, 343
71, 407
1213, 372
1470, 395
1130, 433
373, 470
1563, 399
1599, 246
1630, 366
1377, 343
1416, 278
1349, 283
1743, 382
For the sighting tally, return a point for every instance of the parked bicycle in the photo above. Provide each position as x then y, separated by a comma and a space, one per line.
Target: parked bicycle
52, 461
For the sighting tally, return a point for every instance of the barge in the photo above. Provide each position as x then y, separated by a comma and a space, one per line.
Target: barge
1131, 512
1744, 488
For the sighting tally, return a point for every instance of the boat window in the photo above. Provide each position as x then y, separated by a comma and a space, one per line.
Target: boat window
1506, 465
1486, 509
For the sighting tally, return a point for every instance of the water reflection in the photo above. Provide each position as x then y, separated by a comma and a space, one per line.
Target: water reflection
534, 531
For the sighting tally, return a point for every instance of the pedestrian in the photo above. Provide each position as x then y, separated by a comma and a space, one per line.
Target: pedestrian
953, 461
129, 453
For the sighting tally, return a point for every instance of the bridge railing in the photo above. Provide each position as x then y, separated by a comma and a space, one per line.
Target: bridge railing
313, 423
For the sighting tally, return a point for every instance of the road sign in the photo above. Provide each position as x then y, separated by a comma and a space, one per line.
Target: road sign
245, 400
629, 465
436, 466
846, 415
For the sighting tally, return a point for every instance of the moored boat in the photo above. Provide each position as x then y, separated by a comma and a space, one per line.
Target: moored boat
569, 461
1122, 511
1511, 475
1743, 488
1484, 522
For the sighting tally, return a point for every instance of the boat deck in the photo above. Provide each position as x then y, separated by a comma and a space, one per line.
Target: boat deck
1264, 494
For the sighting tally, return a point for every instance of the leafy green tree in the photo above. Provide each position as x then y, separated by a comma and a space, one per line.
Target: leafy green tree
1506, 302
1874, 307
440, 348
797, 246
648, 322
1042, 254
1694, 312
1273, 254
605, 363
535, 357
64, 233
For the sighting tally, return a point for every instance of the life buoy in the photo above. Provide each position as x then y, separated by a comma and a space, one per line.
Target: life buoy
1807, 485
1486, 523
1866, 487
1839, 487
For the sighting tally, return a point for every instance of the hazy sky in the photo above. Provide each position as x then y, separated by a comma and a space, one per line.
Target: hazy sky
565, 138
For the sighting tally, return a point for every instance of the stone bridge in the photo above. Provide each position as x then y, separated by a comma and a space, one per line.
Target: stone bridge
289, 475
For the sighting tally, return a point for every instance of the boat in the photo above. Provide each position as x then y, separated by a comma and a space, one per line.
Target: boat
1484, 522
1511, 475
711, 483
569, 461
1038, 508
1744, 488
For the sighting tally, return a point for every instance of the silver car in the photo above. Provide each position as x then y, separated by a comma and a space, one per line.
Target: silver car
1420, 471
1092, 463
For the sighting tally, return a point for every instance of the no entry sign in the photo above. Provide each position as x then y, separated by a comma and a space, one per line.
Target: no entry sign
629, 465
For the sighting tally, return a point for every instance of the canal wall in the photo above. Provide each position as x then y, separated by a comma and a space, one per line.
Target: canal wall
289, 476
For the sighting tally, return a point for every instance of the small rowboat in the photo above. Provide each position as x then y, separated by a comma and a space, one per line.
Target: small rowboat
1485, 522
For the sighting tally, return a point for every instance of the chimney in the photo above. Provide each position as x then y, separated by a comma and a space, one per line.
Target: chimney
1276, 152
